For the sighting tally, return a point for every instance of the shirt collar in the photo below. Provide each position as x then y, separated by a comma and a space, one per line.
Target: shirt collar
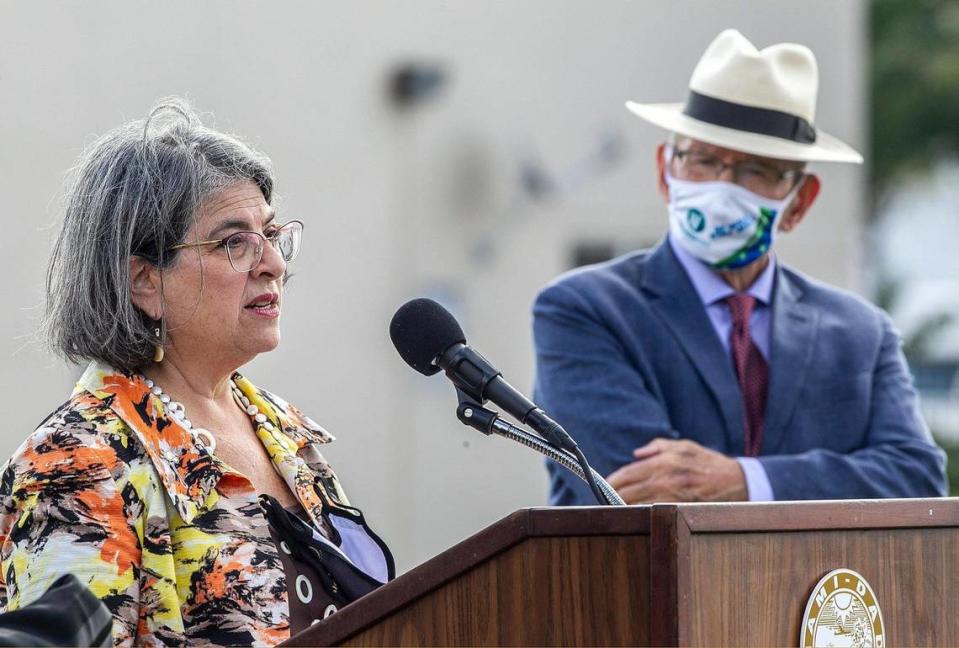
711, 287
187, 469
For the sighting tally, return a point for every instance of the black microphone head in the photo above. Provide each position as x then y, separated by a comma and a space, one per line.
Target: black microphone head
422, 330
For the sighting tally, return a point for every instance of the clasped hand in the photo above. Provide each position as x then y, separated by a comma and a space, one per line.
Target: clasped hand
667, 470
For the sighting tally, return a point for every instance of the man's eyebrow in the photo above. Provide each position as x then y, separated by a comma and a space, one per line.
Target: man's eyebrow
237, 224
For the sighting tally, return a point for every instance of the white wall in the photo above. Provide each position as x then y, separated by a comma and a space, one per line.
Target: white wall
395, 202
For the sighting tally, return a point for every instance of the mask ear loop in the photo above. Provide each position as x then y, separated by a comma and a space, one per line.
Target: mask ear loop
668, 151
791, 196
788, 201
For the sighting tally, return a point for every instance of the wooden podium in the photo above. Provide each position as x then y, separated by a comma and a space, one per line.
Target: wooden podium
667, 575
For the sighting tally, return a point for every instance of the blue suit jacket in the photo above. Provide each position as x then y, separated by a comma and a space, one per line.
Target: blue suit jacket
625, 352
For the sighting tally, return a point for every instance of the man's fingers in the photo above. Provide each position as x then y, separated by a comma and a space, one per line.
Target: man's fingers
635, 494
633, 473
620, 477
626, 475
665, 470
646, 451
649, 492
654, 447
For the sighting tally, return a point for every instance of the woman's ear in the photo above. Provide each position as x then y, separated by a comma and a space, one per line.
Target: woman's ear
145, 289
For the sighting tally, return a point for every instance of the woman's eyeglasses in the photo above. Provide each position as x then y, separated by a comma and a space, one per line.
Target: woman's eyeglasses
245, 249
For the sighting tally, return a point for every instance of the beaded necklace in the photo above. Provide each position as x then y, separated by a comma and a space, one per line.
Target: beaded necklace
177, 412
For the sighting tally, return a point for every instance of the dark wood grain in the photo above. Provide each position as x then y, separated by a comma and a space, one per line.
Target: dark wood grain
696, 574
583, 522
798, 516
666, 571
543, 592
588, 520
750, 589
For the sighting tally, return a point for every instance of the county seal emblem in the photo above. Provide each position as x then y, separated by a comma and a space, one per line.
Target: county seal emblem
842, 611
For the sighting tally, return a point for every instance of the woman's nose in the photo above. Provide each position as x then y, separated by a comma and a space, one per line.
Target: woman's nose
271, 262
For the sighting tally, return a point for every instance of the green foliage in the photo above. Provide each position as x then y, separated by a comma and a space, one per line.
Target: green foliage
914, 87
918, 344
914, 99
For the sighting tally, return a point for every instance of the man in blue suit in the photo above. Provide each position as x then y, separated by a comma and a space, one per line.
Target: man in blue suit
704, 370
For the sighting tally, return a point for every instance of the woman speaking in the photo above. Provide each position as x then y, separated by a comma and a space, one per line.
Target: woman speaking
195, 505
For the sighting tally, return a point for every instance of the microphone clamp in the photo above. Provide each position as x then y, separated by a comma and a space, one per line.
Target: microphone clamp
470, 372
474, 377
479, 418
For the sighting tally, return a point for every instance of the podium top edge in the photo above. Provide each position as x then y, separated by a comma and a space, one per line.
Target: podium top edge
780, 516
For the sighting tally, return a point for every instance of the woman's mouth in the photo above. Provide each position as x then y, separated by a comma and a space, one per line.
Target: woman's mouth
265, 305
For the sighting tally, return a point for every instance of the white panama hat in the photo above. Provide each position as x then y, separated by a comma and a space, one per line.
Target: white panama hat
759, 102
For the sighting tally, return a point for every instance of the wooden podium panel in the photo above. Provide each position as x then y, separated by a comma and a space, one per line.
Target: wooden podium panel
667, 575
537, 577
745, 573
493, 604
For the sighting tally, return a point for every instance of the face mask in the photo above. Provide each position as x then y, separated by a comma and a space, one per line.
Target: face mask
724, 224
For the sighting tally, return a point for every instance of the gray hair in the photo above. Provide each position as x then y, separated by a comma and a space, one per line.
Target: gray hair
134, 192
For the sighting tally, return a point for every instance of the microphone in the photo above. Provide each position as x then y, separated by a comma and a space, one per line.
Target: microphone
429, 339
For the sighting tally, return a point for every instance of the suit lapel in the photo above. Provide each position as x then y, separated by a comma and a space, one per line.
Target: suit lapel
793, 334
675, 300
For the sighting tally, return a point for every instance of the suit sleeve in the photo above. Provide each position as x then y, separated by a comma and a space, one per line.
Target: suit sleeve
899, 458
586, 382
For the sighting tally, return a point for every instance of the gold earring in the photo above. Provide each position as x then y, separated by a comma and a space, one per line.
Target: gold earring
158, 347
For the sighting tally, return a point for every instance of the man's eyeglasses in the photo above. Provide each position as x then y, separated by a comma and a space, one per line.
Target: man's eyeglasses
752, 174
245, 249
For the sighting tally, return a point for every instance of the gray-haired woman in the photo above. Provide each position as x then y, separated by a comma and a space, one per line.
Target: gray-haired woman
167, 277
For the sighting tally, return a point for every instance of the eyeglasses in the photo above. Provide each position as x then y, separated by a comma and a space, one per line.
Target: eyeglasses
751, 174
245, 249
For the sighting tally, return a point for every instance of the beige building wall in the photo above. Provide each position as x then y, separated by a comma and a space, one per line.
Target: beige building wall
398, 204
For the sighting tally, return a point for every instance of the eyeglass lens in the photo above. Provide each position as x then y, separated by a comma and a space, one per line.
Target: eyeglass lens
752, 175
245, 249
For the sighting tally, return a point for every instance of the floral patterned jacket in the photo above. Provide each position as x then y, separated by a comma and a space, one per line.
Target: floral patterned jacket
169, 537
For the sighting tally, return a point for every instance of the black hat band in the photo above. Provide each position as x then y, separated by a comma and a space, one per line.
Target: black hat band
763, 121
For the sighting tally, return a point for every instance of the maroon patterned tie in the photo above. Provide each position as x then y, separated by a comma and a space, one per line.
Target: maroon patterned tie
751, 370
